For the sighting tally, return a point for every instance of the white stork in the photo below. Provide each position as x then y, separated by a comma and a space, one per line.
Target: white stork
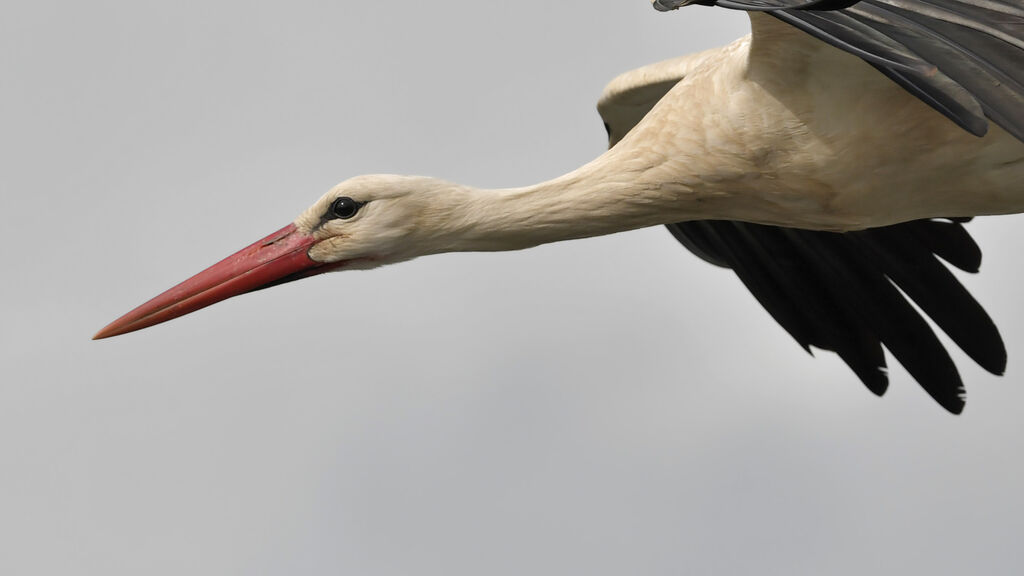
829, 157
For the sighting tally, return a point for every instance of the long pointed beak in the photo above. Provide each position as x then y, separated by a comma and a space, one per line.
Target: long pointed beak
278, 258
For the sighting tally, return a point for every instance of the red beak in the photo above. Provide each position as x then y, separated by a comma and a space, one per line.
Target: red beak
278, 258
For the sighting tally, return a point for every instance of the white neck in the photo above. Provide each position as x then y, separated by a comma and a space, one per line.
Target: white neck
602, 197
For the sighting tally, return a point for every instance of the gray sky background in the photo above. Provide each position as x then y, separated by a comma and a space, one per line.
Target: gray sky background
605, 406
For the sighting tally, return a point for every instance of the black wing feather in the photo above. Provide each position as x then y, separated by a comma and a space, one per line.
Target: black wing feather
949, 241
839, 292
911, 266
824, 318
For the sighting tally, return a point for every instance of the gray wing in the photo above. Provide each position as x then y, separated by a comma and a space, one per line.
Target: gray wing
964, 58
849, 292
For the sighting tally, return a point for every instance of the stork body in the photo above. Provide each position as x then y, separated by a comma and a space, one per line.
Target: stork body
780, 128
777, 128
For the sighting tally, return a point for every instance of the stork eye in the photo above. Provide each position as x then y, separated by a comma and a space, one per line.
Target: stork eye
344, 208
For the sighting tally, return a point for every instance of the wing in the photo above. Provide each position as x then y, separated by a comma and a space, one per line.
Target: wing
849, 293
962, 57
630, 96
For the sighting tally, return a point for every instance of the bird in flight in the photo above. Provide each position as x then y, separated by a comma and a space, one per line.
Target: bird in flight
830, 159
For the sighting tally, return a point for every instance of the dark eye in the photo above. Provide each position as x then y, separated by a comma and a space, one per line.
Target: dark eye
344, 208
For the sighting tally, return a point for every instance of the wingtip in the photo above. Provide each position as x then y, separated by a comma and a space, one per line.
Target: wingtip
957, 409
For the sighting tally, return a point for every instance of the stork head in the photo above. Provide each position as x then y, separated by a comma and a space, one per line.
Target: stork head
361, 223
369, 221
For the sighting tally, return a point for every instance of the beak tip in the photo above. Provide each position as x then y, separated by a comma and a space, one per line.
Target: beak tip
106, 332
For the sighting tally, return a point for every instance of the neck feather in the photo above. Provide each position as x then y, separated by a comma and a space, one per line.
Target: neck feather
610, 194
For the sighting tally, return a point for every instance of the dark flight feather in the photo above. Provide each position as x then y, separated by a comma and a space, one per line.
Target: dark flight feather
849, 293
961, 57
